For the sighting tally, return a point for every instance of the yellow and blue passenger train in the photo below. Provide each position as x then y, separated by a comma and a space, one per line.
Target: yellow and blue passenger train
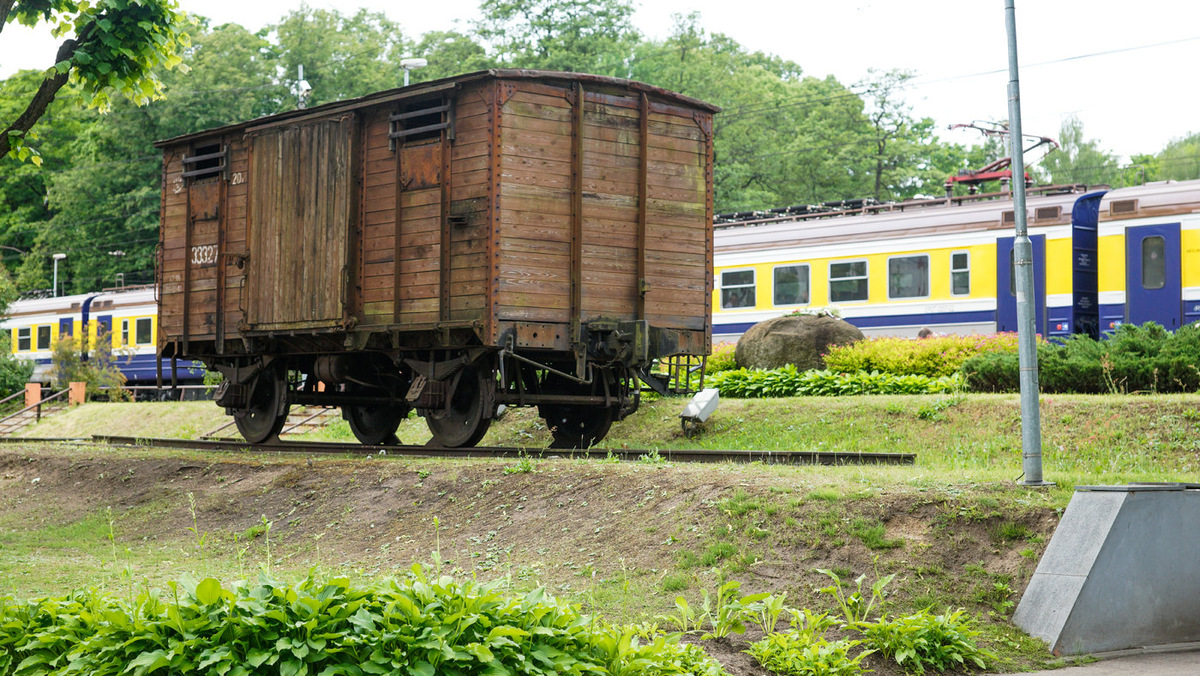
1101, 258
126, 318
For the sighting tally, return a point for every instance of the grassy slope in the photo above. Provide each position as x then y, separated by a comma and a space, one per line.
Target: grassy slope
169, 419
953, 527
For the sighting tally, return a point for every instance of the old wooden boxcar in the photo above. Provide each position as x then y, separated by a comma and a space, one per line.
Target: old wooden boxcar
503, 237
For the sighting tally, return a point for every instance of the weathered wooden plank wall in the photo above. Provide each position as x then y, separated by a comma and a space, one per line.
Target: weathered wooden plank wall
301, 209
479, 224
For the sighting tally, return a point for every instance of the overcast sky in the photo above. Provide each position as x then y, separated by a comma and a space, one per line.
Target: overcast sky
1126, 69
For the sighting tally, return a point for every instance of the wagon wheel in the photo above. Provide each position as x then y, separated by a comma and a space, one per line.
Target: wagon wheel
576, 426
464, 422
375, 424
266, 412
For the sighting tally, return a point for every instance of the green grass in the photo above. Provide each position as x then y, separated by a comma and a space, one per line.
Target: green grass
187, 419
968, 455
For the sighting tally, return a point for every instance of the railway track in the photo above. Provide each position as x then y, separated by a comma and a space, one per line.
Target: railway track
333, 448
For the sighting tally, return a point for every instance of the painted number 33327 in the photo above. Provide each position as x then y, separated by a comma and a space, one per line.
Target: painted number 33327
205, 254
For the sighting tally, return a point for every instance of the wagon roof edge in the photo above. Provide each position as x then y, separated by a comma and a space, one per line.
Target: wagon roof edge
436, 85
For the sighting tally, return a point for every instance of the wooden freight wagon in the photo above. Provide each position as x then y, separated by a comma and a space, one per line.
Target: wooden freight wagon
503, 237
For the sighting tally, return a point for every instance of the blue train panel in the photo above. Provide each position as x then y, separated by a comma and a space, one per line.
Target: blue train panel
1085, 268
1153, 275
1006, 293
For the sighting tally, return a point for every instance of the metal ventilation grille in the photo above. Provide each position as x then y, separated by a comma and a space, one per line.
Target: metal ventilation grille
208, 161
1047, 213
422, 120
1009, 217
1123, 207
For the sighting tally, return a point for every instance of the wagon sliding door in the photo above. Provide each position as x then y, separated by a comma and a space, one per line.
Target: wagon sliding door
302, 212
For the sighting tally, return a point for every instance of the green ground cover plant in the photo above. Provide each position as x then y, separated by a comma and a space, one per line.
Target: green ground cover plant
934, 357
922, 640
788, 381
795, 654
422, 624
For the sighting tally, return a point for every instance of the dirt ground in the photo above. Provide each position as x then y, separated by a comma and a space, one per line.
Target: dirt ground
625, 538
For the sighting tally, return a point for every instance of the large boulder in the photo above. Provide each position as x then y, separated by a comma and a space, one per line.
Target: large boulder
793, 339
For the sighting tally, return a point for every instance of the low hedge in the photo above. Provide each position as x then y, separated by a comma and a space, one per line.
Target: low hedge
421, 626
934, 357
788, 381
1145, 358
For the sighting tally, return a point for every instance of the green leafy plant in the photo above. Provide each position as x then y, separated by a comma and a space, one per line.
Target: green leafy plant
797, 654
853, 606
788, 381
623, 653
923, 640
769, 610
525, 465
684, 619
726, 611
420, 625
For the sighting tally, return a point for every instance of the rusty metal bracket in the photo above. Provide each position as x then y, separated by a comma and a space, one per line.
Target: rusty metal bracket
591, 375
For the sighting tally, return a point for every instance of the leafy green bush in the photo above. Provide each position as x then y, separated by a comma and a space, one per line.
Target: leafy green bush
794, 653
788, 381
722, 358
99, 371
421, 625
1144, 358
933, 357
925, 640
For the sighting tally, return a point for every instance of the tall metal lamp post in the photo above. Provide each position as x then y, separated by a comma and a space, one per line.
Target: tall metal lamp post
412, 64
1031, 417
57, 257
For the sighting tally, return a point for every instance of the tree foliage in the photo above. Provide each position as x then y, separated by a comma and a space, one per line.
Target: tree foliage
783, 137
1080, 159
595, 36
117, 47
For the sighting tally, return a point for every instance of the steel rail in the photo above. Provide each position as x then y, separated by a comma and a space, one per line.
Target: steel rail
676, 455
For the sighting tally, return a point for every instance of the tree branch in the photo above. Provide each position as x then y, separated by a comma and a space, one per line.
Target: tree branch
5, 7
44, 96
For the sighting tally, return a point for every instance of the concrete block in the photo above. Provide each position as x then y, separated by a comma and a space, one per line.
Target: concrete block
1122, 571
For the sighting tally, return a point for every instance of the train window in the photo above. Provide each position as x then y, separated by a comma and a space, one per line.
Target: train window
847, 281
422, 121
43, 338
24, 339
960, 273
206, 161
124, 332
908, 276
737, 289
1154, 269
791, 285
142, 332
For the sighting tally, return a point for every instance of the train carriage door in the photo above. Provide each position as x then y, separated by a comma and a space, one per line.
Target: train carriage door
104, 328
1152, 275
303, 203
66, 328
1006, 286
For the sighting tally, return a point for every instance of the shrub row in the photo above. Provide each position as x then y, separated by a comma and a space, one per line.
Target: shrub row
788, 381
421, 625
1145, 358
934, 357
